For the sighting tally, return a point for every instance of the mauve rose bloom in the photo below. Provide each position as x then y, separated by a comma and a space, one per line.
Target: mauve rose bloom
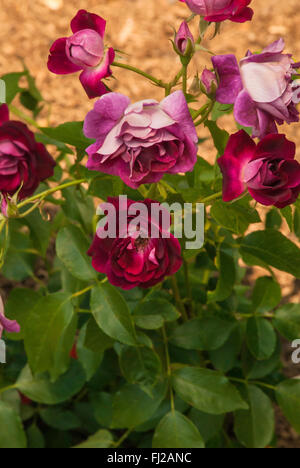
260, 87
85, 51
221, 10
184, 39
141, 142
23, 161
11, 326
130, 260
268, 170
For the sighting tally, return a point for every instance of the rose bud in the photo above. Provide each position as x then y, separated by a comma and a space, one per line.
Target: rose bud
11, 326
221, 10
141, 142
260, 87
24, 163
133, 260
209, 82
184, 41
268, 170
85, 51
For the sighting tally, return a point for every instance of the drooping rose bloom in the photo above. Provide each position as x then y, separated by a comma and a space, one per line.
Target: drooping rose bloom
268, 170
221, 10
129, 259
23, 161
141, 142
11, 326
260, 87
85, 51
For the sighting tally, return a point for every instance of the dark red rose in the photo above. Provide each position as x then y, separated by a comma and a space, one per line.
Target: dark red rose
130, 260
23, 161
268, 170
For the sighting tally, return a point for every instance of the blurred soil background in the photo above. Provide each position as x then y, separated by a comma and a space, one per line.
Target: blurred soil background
141, 29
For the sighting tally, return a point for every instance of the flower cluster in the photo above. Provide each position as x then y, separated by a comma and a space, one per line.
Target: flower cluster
141, 142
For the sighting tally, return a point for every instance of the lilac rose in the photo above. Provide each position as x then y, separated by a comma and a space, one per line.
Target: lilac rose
261, 87
141, 142
269, 170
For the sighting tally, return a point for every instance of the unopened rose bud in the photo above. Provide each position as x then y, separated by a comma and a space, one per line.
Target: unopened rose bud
184, 41
209, 82
85, 48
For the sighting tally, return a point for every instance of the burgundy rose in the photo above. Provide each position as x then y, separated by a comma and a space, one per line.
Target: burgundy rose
85, 51
141, 142
129, 259
261, 87
221, 10
268, 170
23, 162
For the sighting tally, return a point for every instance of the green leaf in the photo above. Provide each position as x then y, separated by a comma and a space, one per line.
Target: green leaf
40, 230
41, 390
71, 248
208, 424
254, 428
271, 248
12, 434
255, 369
225, 357
112, 314
261, 338
140, 365
102, 439
287, 213
35, 437
88, 358
273, 219
95, 339
70, 133
220, 137
207, 390
49, 334
102, 408
203, 334
266, 295
287, 321
18, 306
151, 314
12, 85
227, 275
288, 397
176, 431
60, 419
132, 406
235, 217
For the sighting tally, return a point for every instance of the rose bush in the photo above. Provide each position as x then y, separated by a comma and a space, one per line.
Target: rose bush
118, 330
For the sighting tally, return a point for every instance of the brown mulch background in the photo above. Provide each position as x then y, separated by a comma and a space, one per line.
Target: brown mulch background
141, 29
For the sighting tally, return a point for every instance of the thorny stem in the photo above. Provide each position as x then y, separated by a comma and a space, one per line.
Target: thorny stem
124, 437
212, 197
42, 195
253, 382
159, 83
178, 300
168, 363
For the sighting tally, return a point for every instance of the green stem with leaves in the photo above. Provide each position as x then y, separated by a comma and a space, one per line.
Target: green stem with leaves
177, 297
154, 80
